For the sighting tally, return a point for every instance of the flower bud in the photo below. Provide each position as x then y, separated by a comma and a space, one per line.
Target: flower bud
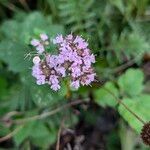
145, 133
36, 60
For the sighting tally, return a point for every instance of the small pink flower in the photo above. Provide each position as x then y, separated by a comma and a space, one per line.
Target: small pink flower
44, 37
88, 60
41, 80
75, 84
76, 71
78, 39
54, 79
86, 80
53, 61
69, 37
92, 58
61, 70
37, 73
35, 42
85, 52
82, 45
55, 87
58, 39
40, 49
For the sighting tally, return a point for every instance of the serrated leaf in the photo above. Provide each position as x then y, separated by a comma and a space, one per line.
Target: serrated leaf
140, 106
77, 19
132, 44
131, 82
103, 97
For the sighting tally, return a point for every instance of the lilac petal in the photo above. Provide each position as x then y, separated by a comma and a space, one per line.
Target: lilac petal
58, 39
35, 42
44, 37
55, 87
75, 84
41, 80
40, 49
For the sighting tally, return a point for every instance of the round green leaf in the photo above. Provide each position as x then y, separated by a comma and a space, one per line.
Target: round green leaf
103, 97
131, 82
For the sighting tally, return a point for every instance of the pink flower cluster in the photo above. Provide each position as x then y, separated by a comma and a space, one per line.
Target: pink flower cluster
39, 44
73, 59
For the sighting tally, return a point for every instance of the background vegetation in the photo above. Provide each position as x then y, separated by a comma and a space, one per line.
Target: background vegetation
119, 35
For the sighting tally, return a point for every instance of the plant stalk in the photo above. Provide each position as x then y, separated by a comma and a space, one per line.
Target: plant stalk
125, 106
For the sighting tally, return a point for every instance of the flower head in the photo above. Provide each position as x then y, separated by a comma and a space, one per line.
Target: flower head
74, 60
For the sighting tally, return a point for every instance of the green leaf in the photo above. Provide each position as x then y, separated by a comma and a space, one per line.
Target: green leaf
13, 54
79, 20
127, 136
43, 96
103, 97
36, 21
42, 136
131, 43
3, 130
140, 106
3, 86
26, 28
23, 133
119, 4
39, 134
13, 46
131, 82
8, 26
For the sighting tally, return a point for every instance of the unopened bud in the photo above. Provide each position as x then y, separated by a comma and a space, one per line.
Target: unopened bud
145, 134
36, 60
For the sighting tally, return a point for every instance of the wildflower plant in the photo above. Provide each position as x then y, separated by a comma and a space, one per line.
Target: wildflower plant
119, 43
73, 60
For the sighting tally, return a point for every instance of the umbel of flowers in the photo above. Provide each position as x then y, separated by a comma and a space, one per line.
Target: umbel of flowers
74, 60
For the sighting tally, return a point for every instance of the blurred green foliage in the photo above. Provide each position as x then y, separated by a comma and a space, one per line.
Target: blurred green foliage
118, 32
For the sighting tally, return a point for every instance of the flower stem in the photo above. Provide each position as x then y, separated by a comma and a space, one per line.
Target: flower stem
125, 106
